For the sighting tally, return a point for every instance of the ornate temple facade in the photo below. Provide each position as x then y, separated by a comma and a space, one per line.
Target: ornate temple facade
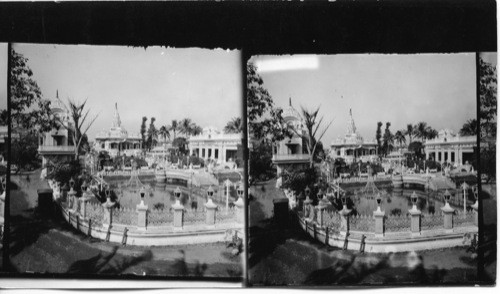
58, 143
352, 147
451, 148
291, 153
215, 145
117, 141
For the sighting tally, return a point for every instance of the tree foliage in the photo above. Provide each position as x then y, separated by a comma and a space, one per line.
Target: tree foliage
152, 134
469, 128
24, 150
378, 136
264, 120
388, 139
233, 126
27, 107
488, 98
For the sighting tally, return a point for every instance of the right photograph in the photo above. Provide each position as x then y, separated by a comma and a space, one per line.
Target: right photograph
366, 169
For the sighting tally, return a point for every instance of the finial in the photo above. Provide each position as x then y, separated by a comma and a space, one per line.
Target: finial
290, 101
57, 93
350, 111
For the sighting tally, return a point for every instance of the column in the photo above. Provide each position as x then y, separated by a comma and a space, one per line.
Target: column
211, 212
178, 215
223, 154
142, 215
239, 210
426, 154
379, 216
344, 220
448, 216
213, 153
108, 213
415, 220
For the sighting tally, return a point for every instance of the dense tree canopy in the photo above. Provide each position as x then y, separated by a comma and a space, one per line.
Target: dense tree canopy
233, 126
28, 109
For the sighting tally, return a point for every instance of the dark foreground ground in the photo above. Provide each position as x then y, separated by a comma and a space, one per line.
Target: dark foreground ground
279, 256
47, 244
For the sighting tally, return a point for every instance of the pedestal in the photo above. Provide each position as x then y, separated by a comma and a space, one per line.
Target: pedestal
142, 215
178, 215
415, 220
240, 212
448, 216
108, 213
83, 206
307, 206
344, 219
475, 206
379, 222
211, 211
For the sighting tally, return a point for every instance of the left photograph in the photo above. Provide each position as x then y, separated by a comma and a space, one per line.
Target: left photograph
126, 161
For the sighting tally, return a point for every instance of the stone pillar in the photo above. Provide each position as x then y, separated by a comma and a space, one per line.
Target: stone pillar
142, 215
178, 215
344, 220
240, 212
415, 220
83, 203
211, 212
448, 216
213, 153
108, 213
306, 206
323, 203
2, 207
379, 216
475, 206
71, 199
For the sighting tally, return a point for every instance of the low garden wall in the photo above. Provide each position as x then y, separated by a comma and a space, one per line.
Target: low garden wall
146, 227
394, 233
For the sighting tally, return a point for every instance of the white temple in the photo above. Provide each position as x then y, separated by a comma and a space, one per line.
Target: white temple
215, 145
352, 147
117, 141
58, 143
451, 148
290, 153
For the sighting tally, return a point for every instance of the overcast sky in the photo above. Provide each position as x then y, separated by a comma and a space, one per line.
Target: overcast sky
436, 88
204, 85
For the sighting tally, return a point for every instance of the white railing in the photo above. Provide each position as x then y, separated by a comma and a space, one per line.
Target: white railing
304, 157
45, 148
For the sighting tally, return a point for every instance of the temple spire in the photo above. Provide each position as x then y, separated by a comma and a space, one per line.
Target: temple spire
116, 117
351, 127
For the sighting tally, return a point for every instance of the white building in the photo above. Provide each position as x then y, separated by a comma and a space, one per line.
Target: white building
215, 145
117, 141
352, 147
290, 153
451, 148
58, 143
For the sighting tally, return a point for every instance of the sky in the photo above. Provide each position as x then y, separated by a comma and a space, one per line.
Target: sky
165, 83
438, 89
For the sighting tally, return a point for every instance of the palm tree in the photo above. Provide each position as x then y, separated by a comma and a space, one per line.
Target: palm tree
196, 130
469, 128
164, 133
399, 137
421, 131
431, 133
233, 126
410, 131
174, 127
186, 127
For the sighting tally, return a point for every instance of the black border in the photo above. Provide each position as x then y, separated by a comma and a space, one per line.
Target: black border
317, 27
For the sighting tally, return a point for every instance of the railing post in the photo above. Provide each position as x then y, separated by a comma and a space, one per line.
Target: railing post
142, 215
307, 207
211, 212
379, 222
322, 205
344, 219
178, 215
475, 206
108, 213
415, 220
240, 212
71, 199
83, 205
448, 216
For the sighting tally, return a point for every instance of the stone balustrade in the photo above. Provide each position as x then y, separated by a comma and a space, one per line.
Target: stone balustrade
379, 224
107, 214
